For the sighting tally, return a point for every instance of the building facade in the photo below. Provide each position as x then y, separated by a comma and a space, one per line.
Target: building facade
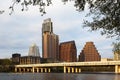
89, 53
106, 59
68, 52
50, 41
34, 50
29, 60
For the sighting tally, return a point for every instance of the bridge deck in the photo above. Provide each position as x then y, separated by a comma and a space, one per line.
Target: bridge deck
94, 63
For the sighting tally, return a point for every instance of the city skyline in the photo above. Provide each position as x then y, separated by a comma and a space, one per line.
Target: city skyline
21, 29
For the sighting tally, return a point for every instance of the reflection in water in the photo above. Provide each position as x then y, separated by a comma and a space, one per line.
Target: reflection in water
57, 76
117, 77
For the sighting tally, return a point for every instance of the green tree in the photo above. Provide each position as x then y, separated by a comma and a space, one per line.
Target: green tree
106, 17
5, 65
116, 47
5, 62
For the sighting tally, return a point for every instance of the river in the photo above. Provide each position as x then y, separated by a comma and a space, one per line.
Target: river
59, 76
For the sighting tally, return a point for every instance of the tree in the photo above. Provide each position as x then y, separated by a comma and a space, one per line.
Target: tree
106, 17
106, 13
6, 65
116, 47
25, 3
116, 50
5, 62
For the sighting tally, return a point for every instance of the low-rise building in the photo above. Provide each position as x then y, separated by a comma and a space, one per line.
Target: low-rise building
30, 60
106, 59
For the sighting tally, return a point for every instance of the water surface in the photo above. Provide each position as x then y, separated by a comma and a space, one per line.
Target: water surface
58, 76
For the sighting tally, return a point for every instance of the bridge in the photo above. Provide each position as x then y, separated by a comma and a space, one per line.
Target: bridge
68, 67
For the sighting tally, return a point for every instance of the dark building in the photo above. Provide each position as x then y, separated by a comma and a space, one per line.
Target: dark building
68, 52
16, 58
30, 60
89, 53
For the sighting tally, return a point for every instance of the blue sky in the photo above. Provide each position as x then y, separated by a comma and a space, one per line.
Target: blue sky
21, 29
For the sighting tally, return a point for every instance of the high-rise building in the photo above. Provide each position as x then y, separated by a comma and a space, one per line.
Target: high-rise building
34, 50
68, 51
89, 53
50, 41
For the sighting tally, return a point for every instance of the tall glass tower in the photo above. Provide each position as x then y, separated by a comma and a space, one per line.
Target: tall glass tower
47, 26
34, 50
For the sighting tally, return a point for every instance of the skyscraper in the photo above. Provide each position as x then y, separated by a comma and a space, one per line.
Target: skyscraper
89, 53
34, 50
47, 26
68, 51
50, 41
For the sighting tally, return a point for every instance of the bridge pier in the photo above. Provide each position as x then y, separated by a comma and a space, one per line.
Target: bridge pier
37, 70
64, 69
33, 70
49, 70
15, 69
68, 69
79, 70
41, 70
117, 69
72, 70
45, 70
76, 70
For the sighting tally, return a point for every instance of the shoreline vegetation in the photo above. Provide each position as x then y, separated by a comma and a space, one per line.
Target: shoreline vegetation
6, 68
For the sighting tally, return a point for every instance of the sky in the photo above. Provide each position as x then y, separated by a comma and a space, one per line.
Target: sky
21, 29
